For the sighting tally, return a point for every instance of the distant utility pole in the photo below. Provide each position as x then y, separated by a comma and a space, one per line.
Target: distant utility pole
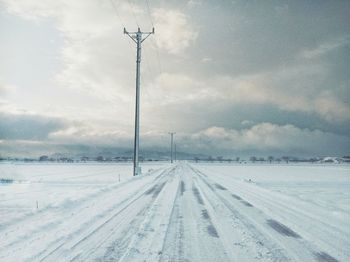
171, 144
175, 151
137, 38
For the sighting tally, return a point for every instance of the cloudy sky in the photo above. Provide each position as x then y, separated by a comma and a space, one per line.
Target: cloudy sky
230, 77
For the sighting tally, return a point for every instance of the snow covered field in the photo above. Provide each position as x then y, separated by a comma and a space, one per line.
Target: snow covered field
180, 212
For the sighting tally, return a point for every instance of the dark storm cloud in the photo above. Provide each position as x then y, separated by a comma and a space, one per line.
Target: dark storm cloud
243, 116
28, 127
254, 36
232, 76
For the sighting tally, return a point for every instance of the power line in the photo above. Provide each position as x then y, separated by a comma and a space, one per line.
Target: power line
154, 42
149, 13
158, 57
133, 12
118, 16
149, 72
149, 66
117, 13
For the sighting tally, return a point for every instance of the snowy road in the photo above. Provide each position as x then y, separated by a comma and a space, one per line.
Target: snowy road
180, 213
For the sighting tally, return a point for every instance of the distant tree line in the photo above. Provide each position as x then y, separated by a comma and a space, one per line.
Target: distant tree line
217, 159
99, 158
273, 159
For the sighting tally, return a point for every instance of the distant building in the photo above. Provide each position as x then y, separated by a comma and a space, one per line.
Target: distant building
44, 158
84, 158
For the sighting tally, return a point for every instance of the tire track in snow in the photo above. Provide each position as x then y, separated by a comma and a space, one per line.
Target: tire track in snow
277, 226
218, 186
197, 195
151, 234
323, 234
282, 229
249, 243
90, 225
37, 218
183, 187
324, 257
135, 224
116, 249
192, 236
131, 207
173, 246
244, 202
210, 227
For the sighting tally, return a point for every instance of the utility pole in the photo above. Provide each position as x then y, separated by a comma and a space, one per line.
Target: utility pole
171, 145
175, 151
138, 39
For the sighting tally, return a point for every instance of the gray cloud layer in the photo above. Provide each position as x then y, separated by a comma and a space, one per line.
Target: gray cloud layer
227, 76
28, 127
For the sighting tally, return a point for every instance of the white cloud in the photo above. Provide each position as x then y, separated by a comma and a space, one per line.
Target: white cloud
84, 133
267, 137
98, 68
88, 135
174, 31
261, 89
33, 10
5, 89
247, 123
206, 59
194, 3
94, 64
325, 48
259, 138
95, 55
264, 138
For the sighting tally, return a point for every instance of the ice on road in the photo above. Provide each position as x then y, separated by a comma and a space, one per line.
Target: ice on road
180, 212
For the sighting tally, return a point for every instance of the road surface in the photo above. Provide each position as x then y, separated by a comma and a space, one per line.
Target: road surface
177, 213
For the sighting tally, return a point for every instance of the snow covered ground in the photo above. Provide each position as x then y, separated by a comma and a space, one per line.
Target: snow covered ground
180, 212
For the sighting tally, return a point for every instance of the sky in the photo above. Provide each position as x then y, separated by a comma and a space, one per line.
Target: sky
229, 77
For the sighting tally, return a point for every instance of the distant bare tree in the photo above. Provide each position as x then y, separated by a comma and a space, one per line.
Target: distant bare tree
84, 158
270, 158
253, 159
43, 158
312, 160
210, 159
286, 159
99, 158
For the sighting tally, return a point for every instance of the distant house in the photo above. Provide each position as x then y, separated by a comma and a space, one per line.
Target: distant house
84, 158
44, 158
100, 158
346, 158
